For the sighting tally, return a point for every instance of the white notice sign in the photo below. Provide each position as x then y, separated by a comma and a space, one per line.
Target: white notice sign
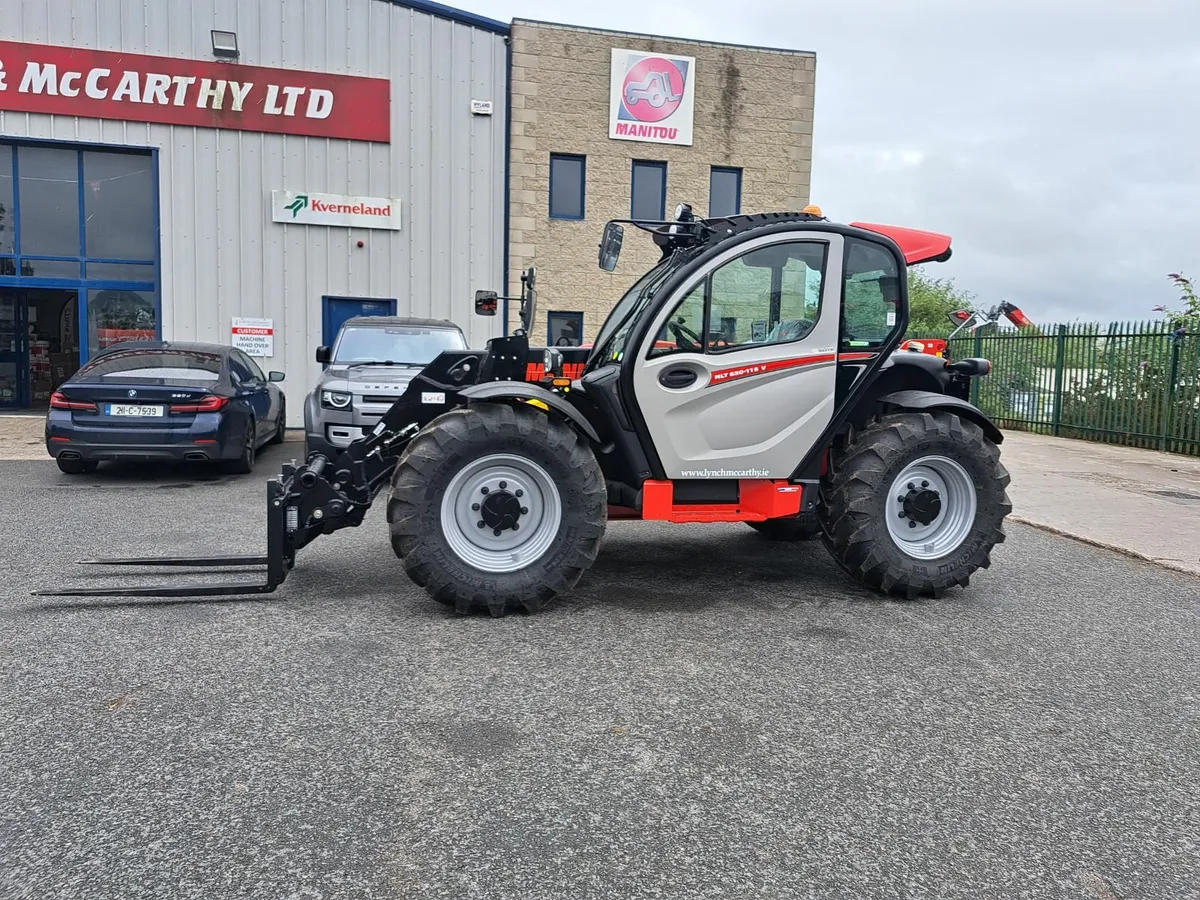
254, 337
302, 208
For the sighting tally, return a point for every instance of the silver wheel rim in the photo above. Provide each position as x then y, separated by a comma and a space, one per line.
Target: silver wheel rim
909, 507
493, 490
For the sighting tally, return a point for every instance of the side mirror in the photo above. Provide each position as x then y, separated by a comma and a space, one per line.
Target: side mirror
275, 376
486, 303
552, 362
324, 355
610, 246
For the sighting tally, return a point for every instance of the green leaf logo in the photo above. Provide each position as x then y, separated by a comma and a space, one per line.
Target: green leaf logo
298, 204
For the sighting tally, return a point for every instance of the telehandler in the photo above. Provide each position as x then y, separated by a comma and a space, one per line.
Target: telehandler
751, 375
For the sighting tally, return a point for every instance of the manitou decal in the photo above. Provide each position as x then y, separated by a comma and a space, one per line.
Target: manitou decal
652, 97
97, 84
721, 376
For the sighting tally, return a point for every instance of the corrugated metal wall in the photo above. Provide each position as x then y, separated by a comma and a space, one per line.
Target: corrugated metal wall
222, 256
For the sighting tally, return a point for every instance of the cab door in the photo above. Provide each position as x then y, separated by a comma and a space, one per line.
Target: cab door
737, 376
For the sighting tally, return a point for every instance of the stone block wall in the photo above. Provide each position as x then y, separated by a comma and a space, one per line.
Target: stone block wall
753, 111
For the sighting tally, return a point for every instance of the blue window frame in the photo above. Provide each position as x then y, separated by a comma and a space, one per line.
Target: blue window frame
724, 191
568, 178
648, 193
84, 218
564, 329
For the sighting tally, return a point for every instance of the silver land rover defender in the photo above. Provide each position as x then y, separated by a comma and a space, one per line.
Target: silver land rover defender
369, 365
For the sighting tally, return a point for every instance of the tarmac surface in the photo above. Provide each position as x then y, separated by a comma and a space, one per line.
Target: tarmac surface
708, 715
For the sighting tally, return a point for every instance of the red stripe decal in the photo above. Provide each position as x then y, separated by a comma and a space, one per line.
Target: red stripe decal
721, 376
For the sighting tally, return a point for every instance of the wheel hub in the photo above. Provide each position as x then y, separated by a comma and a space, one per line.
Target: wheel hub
931, 507
501, 511
922, 506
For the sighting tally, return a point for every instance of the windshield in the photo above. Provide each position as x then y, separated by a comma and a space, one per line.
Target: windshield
625, 315
400, 344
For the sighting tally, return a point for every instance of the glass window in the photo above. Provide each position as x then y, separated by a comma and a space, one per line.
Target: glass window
871, 294
152, 363
649, 190
49, 268
565, 329
248, 361
567, 178
118, 203
238, 365
681, 334
413, 345
724, 192
117, 316
771, 295
121, 271
49, 189
8, 228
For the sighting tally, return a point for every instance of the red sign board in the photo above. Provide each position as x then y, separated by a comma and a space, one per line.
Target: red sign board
98, 84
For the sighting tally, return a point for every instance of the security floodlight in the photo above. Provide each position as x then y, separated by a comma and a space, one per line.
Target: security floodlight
224, 44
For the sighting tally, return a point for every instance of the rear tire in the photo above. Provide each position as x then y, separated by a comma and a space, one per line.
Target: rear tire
244, 464
481, 455
934, 453
804, 527
77, 466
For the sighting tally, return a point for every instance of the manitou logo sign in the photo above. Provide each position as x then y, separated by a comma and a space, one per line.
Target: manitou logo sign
653, 97
335, 209
95, 84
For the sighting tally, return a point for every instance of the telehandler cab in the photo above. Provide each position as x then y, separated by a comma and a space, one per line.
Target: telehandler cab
751, 375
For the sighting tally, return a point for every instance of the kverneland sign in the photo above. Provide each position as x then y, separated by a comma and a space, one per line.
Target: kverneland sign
97, 84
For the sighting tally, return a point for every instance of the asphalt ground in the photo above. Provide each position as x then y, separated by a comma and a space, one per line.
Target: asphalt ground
708, 716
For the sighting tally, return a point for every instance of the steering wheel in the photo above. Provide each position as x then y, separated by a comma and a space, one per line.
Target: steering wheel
685, 338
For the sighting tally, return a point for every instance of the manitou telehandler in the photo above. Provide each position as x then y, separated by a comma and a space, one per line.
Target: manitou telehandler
751, 375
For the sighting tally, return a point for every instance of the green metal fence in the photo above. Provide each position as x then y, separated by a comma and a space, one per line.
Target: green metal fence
1132, 383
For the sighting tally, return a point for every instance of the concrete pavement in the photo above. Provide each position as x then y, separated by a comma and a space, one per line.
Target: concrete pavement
1139, 502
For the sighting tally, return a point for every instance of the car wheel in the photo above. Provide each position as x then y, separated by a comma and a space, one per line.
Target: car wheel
280, 425
244, 464
77, 466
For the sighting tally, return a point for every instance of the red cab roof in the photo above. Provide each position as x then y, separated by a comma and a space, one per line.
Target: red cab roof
918, 246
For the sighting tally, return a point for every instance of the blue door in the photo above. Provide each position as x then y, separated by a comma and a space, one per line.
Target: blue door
336, 310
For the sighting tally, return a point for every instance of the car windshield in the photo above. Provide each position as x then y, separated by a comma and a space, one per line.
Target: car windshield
399, 344
171, 364
610, 343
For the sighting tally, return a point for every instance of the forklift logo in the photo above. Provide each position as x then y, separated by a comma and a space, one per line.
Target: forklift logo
653, 89
301, 202
653, 97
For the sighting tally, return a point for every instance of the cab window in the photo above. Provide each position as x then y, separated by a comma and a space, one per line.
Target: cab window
771, 295
870, 295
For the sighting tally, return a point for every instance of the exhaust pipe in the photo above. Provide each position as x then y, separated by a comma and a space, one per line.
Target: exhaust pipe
196, 457
69, 454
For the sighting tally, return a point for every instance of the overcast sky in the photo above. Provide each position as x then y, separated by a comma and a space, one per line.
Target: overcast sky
1057, 141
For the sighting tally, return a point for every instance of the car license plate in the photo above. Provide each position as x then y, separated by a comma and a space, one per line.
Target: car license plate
136, 410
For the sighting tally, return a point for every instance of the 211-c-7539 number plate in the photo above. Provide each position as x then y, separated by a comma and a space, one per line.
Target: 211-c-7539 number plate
134, 410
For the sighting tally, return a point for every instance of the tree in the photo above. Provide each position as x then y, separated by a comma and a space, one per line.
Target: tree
1187, 317
930, 302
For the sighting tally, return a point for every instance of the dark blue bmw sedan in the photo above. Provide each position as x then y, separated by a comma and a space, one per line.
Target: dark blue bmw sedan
171, 401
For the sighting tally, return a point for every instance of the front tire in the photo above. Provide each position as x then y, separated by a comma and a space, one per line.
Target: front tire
498, 508
280, 425
916, 503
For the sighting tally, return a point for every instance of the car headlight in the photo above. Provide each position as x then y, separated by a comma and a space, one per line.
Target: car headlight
334, 399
